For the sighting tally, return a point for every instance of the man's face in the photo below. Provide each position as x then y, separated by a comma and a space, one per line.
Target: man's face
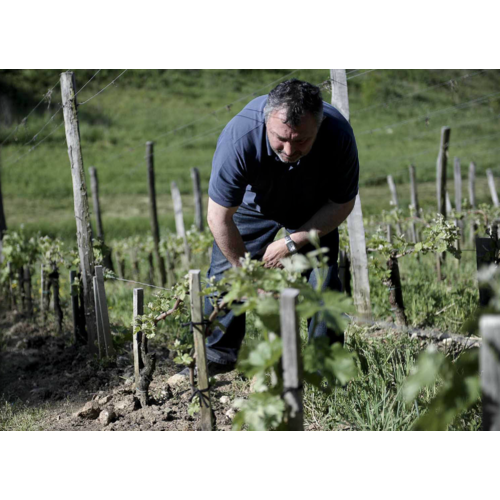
291, 144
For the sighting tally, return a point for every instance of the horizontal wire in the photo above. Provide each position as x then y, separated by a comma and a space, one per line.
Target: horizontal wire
102, 90
419, 92
479, 99
35, 146
137, 283
226, 107
93, 76
25, 119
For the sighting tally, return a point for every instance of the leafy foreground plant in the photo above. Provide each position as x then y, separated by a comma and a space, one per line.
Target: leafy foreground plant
459, 391
253, 288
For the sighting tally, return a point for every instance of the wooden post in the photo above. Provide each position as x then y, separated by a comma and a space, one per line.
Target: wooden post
22, 291
389, 233
94, 185
441, 170
109, 350
457, 174
43, 292
472, 184
292, 360
84, 236
489, 326
359, 260
414, 201
493, 189
395, 201
100, 333
345, 271
449, 207
155, 230
198, 199
179, 220
13, 302
207, 420
77, 334
54, 284
485, 256
137, 337
170, 270
27, 287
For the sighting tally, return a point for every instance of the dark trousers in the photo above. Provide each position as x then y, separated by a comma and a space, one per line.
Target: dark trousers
257, 233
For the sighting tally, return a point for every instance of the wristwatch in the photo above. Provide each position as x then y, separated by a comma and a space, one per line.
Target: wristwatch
290, 245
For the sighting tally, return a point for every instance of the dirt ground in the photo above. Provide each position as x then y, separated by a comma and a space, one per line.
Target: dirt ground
43, 368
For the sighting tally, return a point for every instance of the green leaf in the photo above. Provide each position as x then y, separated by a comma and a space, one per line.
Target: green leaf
260, 358
262, 411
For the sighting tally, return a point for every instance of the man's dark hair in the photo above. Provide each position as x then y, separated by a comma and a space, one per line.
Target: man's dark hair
297, 98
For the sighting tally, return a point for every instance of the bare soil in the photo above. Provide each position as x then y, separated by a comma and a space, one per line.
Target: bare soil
44, 369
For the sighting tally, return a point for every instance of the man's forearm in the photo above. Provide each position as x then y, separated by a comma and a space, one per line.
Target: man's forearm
228, 239
325, 220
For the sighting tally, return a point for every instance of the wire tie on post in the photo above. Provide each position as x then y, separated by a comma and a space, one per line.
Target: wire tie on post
292, 389
204, 399
194, 323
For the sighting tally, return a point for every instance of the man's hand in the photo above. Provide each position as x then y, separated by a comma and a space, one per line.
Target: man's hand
276, 251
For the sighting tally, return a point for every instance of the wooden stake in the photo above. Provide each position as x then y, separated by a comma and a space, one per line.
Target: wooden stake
449, 207
13, 302
292, 360
493, 189
389, 233
137, 337
100, 333
74, 306
489, 326
109, 349
207, 418
359, 260
472, 184
441, 170
22, 291
84, 236
179, 220
457, 174
170, 270
94, 185
198, 200
155, 230
27, 287
54, 284
414, 201
395, 201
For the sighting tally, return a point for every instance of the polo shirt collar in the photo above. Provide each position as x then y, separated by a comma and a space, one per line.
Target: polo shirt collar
270, 152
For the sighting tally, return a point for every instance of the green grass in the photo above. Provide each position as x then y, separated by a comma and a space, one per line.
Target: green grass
374, 402
144, 105
20, 417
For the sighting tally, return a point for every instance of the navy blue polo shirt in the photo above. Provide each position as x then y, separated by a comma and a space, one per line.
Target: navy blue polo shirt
247, 173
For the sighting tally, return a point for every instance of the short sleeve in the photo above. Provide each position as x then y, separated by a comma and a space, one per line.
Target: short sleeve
228, 180
344, 186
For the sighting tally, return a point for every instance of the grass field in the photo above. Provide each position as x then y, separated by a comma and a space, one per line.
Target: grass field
388, 114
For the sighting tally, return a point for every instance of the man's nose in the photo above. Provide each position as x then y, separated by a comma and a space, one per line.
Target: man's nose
289, 148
